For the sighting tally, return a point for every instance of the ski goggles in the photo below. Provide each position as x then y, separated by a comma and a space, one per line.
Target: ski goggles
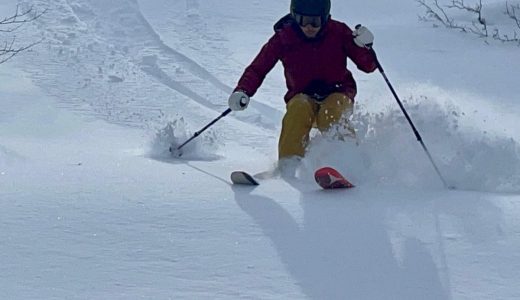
302, 20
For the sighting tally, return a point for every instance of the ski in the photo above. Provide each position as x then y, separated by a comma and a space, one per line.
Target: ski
329, 178
243, 178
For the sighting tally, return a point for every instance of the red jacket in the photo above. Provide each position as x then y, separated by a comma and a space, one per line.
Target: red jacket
307, 62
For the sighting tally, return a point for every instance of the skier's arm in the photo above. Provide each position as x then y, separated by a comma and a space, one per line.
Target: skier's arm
264, 62
361, 56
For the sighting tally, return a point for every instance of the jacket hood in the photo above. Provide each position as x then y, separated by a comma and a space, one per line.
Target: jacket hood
286, 20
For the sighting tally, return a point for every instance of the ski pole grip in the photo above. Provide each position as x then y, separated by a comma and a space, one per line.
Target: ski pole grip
226, 112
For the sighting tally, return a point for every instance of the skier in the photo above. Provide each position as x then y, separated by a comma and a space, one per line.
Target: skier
313, 49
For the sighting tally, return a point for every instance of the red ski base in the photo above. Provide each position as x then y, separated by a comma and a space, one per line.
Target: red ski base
329, 178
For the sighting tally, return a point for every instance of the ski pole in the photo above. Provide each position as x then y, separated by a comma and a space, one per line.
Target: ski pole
225, 113
415, 131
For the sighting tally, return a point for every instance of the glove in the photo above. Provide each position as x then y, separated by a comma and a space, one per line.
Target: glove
238, 101
363, 37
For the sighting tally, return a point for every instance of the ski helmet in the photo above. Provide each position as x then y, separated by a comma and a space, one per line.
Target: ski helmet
311, 8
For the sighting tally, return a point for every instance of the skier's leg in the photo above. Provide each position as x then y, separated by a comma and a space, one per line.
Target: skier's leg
296, 125
336, 110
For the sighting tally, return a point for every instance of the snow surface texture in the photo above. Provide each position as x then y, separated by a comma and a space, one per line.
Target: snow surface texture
94, 207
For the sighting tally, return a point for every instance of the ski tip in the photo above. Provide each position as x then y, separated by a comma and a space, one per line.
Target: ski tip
243, 178
330, 178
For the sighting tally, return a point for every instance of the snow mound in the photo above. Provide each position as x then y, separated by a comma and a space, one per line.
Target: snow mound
174, 134
387, 152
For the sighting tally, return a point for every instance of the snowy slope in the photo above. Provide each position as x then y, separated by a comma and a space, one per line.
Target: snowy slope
93, 207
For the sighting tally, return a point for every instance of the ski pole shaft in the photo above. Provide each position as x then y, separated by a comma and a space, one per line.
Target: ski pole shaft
415, 131
225, 113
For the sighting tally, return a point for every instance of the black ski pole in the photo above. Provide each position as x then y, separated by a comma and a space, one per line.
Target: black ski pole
415, 131
225, 113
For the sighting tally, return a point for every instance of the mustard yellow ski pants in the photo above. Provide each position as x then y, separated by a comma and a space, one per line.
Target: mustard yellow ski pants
304, 113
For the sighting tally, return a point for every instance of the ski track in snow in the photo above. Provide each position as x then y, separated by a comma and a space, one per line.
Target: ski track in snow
125, 74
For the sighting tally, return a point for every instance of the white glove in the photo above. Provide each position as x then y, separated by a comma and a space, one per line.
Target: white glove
363, 37
238, 101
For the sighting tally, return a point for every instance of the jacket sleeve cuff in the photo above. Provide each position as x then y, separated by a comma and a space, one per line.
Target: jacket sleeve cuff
238, 89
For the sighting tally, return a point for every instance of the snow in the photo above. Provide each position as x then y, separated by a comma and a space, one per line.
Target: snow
94, 207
